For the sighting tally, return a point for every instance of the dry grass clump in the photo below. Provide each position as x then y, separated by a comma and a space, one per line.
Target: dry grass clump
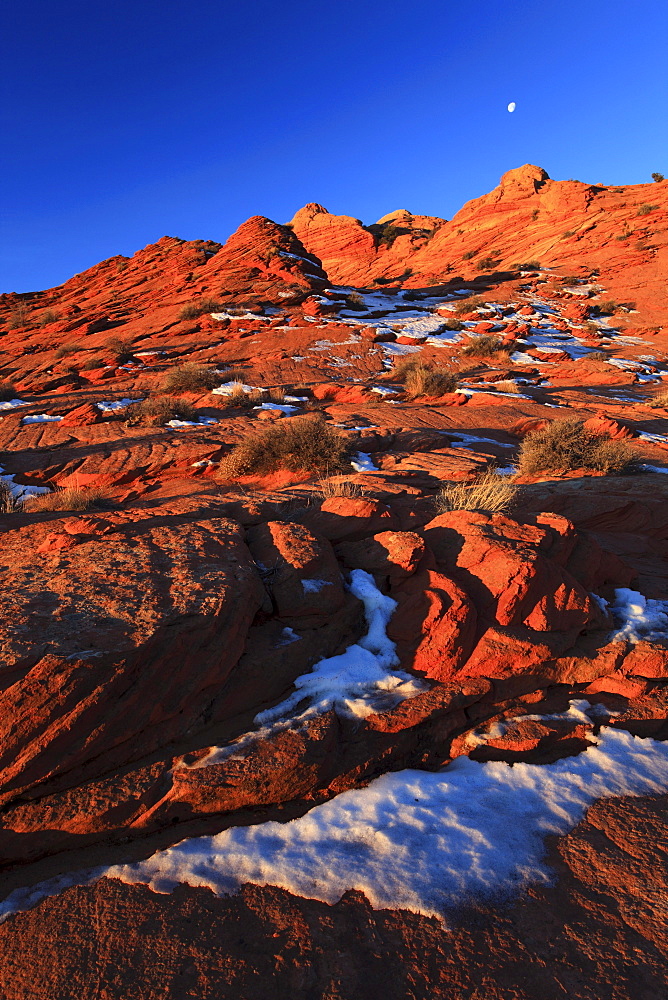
483, 346
469, 305
190, 377
158, 410
565, 445
91, 364
69, 498
489, 492
340, 488
7, 391
659, 401
294, 443
596, 356
120, 347
506, 385
194, 309
244, 400
48, 316
65, 349
421, 380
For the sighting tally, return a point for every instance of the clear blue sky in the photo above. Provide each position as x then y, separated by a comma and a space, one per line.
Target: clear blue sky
126, 121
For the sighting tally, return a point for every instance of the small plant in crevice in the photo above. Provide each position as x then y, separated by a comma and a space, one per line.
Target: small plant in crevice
7, 391
657, 178
646, 209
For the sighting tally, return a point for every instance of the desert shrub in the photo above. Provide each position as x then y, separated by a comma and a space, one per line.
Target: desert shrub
506, 385
190, 377
245, 400
48, 316
657, 178
92, 363
489, 492
487, 264
591, 328
120, 347
568, 233
422, 380
70, 498
194, 309
483, 346
596, 356
646, 209
340, 488
294, 443
453, 324
65, 349
470, 254
469, 305
7, 391
528, 265
156, 411
19, 316
564, 445
535, 214
660, 401
355, 300
606, 308
389, 234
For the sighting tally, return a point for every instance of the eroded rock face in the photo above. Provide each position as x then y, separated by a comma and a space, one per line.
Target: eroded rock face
116, 646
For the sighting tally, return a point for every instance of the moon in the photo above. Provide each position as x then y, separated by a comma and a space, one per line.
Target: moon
512, 106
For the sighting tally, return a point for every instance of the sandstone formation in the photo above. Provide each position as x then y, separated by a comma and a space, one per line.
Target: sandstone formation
191, 647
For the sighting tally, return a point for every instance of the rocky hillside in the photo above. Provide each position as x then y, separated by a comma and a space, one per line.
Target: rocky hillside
306, 539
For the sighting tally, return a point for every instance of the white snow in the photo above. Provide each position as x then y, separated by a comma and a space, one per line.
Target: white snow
467, 440
362, 463
639, 617
654, 438
360, 680
40, 418
108, 406
19, 491
277, 406
383, 390
191, 423
10, 404
289, 636
416, 840
653, 468
315, 586
229, 387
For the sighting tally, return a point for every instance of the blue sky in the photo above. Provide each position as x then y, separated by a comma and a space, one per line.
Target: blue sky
124, 122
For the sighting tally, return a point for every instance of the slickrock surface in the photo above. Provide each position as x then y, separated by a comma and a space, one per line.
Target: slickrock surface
209, 649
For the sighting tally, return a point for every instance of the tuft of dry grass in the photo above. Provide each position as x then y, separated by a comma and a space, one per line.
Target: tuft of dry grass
120, 347
340, 488
506, 385
66, 349
69, 498
422, 380
158, 410
469, 305
244, 400
565, 445
659, 401
484, 346
295, 443
91, 364
489, 492
7, 391
190, 377
194, 309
